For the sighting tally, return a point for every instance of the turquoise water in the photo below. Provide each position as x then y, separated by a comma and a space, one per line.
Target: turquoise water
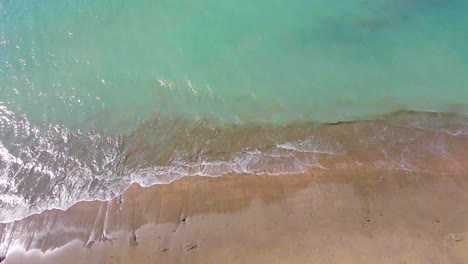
110, 64
95, 95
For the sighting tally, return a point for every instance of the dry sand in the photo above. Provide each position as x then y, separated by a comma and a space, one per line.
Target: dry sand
353, 217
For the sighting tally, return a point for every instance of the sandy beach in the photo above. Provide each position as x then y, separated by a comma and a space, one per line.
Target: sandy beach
400, 199
378, 217
234, 132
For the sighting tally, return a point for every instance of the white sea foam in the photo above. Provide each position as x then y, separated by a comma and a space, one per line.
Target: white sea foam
315, 144
53, 167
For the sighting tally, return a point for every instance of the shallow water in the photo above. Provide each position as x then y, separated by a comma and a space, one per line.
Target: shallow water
96, 95
58, 167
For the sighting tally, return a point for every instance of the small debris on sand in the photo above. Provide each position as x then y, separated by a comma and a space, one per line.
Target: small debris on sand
132, 240
453, 237
189, 247
89, 244
107, 239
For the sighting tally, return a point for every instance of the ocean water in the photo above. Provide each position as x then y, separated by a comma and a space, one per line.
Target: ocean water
95, 95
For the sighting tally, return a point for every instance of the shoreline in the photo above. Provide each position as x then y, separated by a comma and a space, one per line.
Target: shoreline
361, 192
354, 217
98, 167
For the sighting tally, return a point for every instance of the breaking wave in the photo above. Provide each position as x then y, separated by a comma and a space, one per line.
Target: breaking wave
54, 167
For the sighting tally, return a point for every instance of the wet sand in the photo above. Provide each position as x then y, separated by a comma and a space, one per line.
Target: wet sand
346, 217
69, 167
398, 198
